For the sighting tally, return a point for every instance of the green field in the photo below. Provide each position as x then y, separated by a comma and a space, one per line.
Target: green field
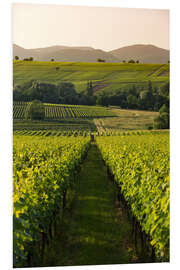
104, 76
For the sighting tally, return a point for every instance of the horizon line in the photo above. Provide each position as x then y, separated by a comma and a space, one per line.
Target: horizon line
146, 44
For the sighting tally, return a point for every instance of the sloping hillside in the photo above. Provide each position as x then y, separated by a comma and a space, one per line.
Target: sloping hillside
143, 53
104, 76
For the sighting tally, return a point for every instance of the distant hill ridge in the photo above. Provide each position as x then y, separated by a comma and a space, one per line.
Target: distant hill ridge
141, 52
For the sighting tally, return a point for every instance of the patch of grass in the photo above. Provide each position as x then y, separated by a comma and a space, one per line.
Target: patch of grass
128, 119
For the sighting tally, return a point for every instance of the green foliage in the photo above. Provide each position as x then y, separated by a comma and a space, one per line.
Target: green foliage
16, 57
140, 165
102, 100
162, 121
131, 61
28, 59
89, 89
132, 101
43, 170
66, 89
35, 110
101, 60
164, 89
163, 109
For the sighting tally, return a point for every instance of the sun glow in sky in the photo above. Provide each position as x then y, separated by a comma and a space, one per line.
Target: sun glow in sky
38, 25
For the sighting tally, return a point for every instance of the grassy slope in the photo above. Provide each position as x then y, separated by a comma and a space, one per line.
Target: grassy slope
128, 119
94, 233
114, 75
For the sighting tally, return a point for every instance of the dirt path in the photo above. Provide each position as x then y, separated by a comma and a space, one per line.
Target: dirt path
94, 230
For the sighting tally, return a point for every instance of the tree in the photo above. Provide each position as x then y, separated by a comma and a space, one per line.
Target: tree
164, 109
102, 100
137, 61
16, 57
52, 59
164, 90
35, 110
101, 60
131, 61
147, 100
99, 100
66, 89
162, 121
28, 59
132, 101
124, 61
89, 90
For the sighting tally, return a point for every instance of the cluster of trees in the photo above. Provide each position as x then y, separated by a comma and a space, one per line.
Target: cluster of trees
101, 60
151, 98
131, 61
28, 59
63, 93
25, 59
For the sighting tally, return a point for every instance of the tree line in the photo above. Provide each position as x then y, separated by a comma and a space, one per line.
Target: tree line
62, 93
131, 61
143, 98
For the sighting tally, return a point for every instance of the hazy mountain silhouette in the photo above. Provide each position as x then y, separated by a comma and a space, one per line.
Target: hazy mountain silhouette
143, 53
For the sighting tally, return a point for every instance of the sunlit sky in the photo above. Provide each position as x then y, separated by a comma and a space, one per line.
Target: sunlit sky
37, 25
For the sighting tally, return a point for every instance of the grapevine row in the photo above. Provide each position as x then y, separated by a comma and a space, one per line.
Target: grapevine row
140, 166
44, 169
54, 111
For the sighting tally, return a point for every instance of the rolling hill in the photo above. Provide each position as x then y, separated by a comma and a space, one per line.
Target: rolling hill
108, 77
143, 53
64, 54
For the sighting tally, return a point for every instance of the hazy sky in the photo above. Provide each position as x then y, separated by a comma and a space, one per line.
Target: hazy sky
36, 26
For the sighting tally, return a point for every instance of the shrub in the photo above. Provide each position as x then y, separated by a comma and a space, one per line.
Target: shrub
162, 121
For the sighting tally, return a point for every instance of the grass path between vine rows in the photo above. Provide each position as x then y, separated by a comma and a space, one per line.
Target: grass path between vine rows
94, 231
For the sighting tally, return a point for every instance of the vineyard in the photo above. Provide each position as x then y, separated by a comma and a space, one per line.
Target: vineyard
56, 111
140, 166
45, 168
